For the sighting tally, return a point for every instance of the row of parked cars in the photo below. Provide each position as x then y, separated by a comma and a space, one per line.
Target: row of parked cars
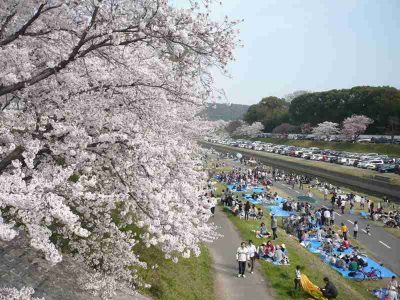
371, 161
336, 138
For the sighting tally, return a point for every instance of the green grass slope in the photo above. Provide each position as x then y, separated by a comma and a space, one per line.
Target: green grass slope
190, 279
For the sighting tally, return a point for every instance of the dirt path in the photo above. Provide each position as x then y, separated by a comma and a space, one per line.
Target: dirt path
228, 286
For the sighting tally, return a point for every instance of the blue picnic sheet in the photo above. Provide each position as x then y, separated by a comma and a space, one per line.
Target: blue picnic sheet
386, 273
249, 198
252, 201
379, 293
279, 212
233, 188
313, 246
280, 199
364, 214
258, 189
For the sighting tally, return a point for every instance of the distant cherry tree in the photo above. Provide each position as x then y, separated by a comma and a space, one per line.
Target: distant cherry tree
252, 130
326, 129
355, 125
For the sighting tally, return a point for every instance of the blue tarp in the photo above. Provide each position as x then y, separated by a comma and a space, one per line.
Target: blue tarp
386, 273
258, 189
279, 212
314, 245
252, 201
233, 188
279, 199
364, 214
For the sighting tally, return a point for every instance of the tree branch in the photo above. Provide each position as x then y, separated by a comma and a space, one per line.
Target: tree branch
15, 154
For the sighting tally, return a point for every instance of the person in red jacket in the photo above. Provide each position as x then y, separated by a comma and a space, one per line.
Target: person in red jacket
269, 249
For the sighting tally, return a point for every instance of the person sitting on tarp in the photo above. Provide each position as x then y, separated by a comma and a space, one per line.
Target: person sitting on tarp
332, 259
260, 213
262, 232
340, 263
361, 262
353, 265
329, 291
346, 244
269, 249
278, 255
327, 246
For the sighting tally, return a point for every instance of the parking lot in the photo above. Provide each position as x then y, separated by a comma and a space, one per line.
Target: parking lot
372, 161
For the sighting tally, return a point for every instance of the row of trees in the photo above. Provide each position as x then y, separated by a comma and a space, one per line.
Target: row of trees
97, 129
352, 127
381, 104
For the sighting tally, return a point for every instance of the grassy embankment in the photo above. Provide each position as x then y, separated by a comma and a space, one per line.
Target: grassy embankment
281, 277
188, 279
388, 149
339, 169
191, 278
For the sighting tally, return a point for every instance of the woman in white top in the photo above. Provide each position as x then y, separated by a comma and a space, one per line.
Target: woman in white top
252, 255
242, 256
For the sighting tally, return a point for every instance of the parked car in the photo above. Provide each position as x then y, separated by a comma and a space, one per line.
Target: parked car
388, 168
373, 164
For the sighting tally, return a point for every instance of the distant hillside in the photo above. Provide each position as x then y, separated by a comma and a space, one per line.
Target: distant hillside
226, 112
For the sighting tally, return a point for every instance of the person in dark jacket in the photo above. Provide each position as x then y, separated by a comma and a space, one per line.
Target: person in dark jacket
329, 291
246, 210
274, 227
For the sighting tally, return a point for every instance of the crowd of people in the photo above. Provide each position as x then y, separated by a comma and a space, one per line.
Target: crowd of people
307, 222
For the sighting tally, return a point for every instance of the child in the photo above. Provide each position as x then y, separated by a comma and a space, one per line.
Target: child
368, 229
297, 278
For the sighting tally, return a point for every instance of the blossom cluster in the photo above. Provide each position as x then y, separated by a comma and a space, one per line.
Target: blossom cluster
252, 130
98, 130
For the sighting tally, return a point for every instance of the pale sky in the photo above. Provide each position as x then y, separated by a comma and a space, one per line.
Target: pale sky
312, 45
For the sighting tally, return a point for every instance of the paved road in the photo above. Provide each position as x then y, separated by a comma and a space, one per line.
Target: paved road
228, 286
382, 244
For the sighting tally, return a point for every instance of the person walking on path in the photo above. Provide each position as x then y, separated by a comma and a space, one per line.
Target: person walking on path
242, 256
297, 278
344, 231
274, 227
355, 230
327, 217
368, 229
332, 222
246, 210
252, 255
342, 206
329, 291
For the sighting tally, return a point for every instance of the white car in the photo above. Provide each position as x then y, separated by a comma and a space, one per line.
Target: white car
369, 156
374, 163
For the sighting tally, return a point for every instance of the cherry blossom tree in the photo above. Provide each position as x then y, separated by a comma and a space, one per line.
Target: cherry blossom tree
355, 125
25, 293
326, 129
97, 129
252, 130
